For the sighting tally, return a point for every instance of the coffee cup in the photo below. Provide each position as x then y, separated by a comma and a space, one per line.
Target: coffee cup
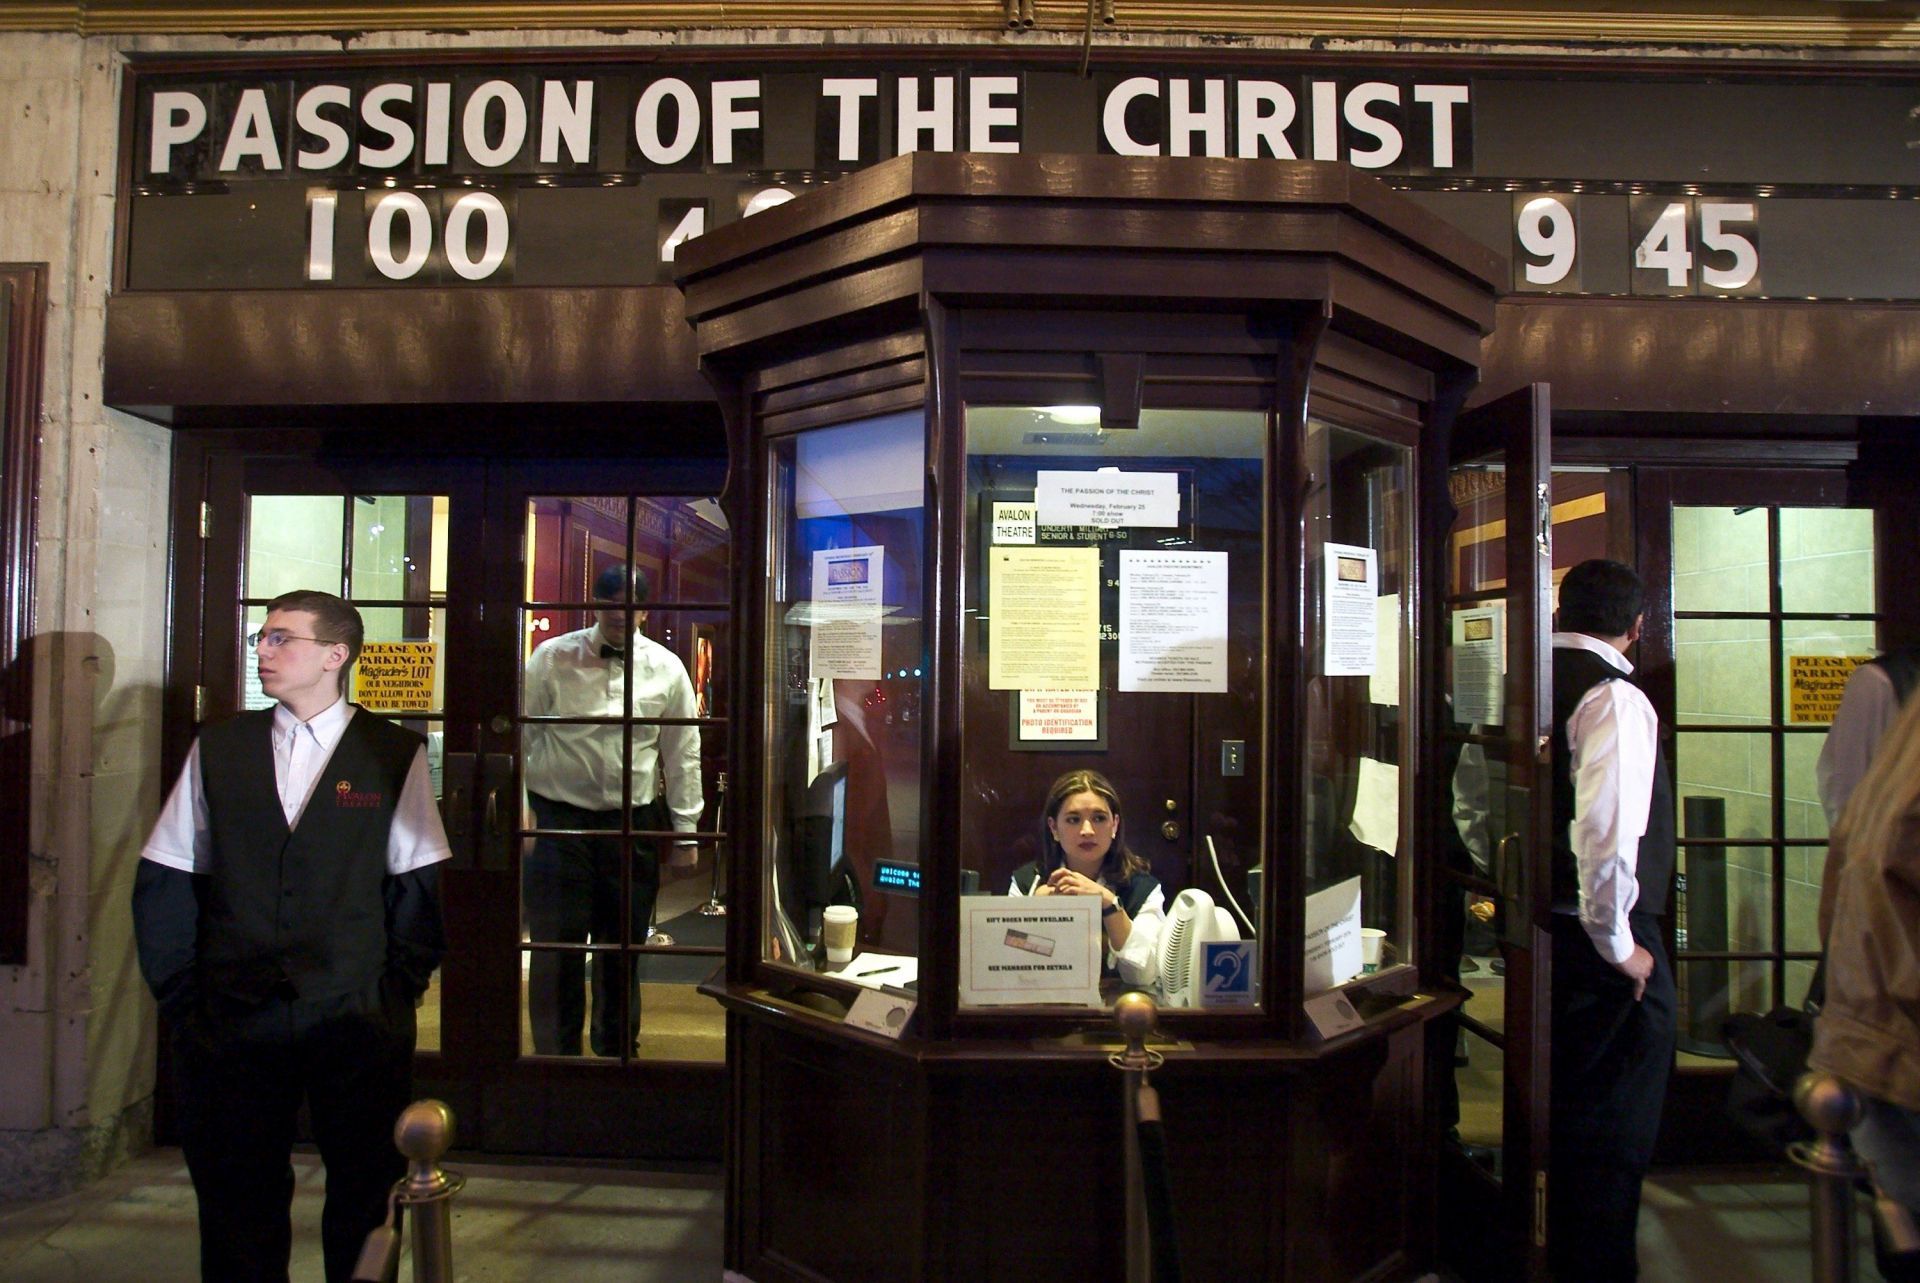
839, 924
1373, 942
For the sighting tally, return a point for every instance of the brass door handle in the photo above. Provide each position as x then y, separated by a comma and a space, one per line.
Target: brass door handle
1169, 830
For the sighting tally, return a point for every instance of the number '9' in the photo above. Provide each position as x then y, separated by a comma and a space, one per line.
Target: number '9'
1546, 230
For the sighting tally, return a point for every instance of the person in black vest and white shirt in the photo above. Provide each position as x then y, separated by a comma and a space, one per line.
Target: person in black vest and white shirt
578, 777
1613, 992
287, 912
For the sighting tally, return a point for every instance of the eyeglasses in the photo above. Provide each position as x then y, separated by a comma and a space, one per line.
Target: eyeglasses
275, 638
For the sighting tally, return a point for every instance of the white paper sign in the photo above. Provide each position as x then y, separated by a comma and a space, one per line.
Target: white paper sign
1479, 664
1333, 936
1108, 498
1376, 806
1059, 716
885, 1014
1014, 523
1030, 949
1173, 621
1352, 624
845, 613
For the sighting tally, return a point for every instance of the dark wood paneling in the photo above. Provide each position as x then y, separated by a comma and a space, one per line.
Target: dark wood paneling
1709, 356
369, 347
23, 338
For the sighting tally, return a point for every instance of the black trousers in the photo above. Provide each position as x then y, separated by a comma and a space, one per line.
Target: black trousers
242, 1073
571, 892
1611, 1060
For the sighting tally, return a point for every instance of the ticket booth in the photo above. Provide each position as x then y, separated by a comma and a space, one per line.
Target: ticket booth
1136, 466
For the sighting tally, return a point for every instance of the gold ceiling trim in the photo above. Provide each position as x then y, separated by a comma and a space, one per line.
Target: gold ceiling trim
1736, 24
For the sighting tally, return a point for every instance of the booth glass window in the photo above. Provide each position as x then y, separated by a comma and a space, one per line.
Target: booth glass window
1112, 705
845, 668
1357, 771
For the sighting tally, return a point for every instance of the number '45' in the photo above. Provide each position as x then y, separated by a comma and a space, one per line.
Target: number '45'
1729, 260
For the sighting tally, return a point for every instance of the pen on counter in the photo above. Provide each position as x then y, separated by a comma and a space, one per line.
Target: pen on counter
877, 971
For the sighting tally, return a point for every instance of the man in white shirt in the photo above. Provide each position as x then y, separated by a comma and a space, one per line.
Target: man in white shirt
1613, 990
619, 777
287, 913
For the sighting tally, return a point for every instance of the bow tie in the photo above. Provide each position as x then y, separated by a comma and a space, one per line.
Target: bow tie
612, 652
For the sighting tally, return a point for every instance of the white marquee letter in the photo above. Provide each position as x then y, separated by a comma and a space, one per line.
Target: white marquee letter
983, 117
1391, 144
646, 122
568, 118
178, 117
849, 92
513, 130
331, 134
1443, 99
915, 120
251, 134
1113, 116
1266, 111
373, 110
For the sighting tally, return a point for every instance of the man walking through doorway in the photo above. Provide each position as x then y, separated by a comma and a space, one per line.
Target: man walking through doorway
1613, 991
287, 911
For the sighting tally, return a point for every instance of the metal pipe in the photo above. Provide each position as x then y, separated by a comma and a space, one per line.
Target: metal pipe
716, 907
423, 1134
1136, 1015
1833, 1109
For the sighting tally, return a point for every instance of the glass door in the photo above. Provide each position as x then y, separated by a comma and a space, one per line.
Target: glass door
582, 786
1493, 885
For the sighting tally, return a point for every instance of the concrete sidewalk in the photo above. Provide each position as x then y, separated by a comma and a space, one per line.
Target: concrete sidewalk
544, 1224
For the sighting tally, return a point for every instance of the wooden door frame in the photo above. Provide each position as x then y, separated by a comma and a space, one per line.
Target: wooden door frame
542, 1108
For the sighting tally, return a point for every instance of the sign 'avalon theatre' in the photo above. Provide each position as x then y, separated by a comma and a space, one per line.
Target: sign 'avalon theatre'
571, 175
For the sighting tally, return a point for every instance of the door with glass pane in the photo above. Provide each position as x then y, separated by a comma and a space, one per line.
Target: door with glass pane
1491, 920
584, 801
1771, 598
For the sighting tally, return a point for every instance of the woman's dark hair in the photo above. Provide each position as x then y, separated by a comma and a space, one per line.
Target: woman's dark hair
1601, 598
1121, 863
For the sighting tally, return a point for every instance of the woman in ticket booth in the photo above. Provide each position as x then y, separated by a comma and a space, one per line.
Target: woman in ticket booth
1082, 853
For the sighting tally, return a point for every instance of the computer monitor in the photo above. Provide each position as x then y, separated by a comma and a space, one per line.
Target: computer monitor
821, 872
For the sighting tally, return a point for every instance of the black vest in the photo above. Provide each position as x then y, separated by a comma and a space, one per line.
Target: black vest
304, 907
1575, 672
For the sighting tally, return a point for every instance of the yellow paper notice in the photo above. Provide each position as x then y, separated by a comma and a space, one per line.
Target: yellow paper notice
395, 676
1815, 684
1043, 618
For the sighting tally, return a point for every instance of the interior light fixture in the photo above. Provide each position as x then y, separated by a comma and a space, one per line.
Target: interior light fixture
1077, 415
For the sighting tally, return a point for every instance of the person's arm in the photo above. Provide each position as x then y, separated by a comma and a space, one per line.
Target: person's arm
1470, 807
1867, 711
1612, 736
416, 847
1137, 956
679, 750
166, 892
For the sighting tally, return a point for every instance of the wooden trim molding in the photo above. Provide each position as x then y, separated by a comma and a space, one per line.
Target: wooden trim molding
23, 287
1758, 23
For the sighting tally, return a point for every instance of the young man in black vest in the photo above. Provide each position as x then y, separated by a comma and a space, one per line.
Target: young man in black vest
287, 911
1613, 993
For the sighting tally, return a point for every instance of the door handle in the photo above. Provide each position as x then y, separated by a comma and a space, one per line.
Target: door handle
456, 802
495, 839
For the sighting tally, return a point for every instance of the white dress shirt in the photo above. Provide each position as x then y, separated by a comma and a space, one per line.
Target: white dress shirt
580, 764
1612, 736
1137, 962
181, 839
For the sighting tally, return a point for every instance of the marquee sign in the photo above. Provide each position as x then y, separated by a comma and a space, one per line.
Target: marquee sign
596, 174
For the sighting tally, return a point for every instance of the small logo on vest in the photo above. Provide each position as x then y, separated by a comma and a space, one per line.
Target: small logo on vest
344, 795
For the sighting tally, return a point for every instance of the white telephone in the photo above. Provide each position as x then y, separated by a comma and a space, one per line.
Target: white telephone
1193, 920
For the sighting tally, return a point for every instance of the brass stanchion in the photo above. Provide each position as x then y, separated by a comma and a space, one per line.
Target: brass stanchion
1833, 1109
1136, 1016
716, 906
423, 1134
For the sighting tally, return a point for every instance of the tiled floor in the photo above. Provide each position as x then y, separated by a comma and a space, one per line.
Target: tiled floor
572, 1225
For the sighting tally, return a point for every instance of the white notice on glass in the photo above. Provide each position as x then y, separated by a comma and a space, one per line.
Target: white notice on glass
845, 614
1108, 498
1173, 621
1013, 523
1376, 805
1479, 664
1352, 624
1020, 949
1333, 936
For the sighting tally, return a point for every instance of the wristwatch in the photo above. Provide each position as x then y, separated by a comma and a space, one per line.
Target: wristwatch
1107, 911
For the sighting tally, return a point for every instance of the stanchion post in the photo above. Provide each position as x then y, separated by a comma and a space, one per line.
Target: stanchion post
423, 1134
716, 907
1136, 1016
1833, 1109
